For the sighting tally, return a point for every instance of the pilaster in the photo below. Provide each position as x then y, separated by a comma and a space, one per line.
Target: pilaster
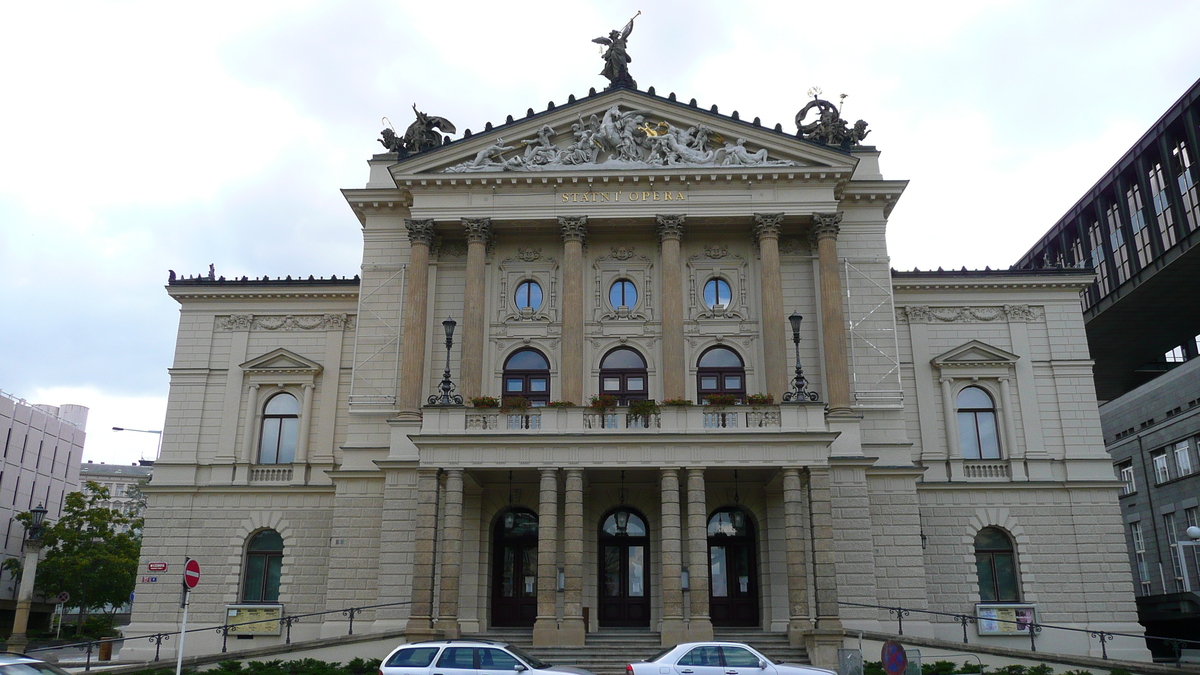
572, 631
799, 623
766, 229
670, 231
424, 540
574, 233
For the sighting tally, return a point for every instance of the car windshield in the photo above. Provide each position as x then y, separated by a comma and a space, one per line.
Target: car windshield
31, 669
534, 662
659, 655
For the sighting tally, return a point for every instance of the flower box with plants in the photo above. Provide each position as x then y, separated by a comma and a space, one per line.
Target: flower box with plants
602, 403
720, 400
760, 399
644, 408
485, 401
514, 404
677, 402
560, 404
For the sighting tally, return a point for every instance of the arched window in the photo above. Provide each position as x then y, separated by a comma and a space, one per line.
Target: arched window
977, 431
529, 295
264, 562
996, 566
280, 426
527, 374
622, 293
623, 374
717, 292
720, 371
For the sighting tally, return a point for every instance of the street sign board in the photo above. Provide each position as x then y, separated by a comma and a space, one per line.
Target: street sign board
156, 567
62, 598
191, 574
895, 661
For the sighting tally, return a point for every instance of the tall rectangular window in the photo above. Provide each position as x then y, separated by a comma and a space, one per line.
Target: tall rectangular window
1139, 553
1162, 470
1183, 458
1192, 516
1096, 235
1116, 240
1137, 222
1176, 355
1126, 474
1169, 525
1187, 186
1162, 205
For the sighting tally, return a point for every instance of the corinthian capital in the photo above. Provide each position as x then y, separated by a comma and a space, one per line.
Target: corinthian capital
671, 226
420, 231
767, 225
479, 230
825, 225
574, 228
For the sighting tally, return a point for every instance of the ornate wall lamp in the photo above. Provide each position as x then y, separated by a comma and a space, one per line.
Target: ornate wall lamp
799, 391
447, 395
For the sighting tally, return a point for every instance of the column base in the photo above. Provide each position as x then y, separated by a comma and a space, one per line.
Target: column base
572, 632
797, 631
17, 644
545, 632
418, 628
448, 628
823, 645
700, 629
673, 631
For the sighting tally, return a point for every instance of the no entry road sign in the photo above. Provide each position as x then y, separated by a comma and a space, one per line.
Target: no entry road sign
191, 574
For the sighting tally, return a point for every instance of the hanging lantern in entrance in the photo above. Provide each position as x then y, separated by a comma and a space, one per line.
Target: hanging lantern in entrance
622, 521
509, 520
738, 519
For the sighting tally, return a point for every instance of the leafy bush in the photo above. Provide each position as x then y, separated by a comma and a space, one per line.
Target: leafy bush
970, 667
873, 668
719, 400
939, 668
560, 404
644, 408
677, 402
603, 402
768, 399
514, 404
485, 401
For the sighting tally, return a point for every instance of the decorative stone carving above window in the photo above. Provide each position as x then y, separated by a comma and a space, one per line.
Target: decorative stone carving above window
289, 322
623, 262
717, 262
927, 314
529, 264
975, 359
281, 367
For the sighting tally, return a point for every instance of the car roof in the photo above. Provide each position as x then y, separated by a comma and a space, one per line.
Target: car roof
456, 641
7, 658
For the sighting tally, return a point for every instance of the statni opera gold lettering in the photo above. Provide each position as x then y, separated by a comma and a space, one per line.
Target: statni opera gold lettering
622, 196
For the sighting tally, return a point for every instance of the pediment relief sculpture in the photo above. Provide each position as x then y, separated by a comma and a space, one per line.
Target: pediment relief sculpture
618, 139
975, 354
280, 361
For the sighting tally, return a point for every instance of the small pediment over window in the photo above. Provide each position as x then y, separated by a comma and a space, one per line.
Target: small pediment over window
281, 362
975, 354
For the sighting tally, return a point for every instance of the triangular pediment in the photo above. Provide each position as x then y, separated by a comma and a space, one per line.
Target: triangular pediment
975, 354
281, 361
624, 130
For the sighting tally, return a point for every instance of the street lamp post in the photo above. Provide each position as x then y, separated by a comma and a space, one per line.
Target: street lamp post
1193, 533
157, 450
447, 395
799, 391
18, 641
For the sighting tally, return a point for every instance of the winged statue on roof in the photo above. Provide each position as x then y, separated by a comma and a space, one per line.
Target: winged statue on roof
616, 57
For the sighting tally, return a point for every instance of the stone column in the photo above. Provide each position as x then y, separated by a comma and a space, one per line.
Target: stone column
699, 623
451, 523
823, 641
479, 231
573, 631
17, 641
766, 228
416, 292
673, 631
545, 628
306, 426
833, 316
251, 420
574, 233
670, 231
797, 567
424, 538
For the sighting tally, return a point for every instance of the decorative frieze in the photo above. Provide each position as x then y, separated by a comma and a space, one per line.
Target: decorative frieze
1010, 313
289, 322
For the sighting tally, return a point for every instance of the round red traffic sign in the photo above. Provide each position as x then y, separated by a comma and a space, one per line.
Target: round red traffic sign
895, 660
191, 574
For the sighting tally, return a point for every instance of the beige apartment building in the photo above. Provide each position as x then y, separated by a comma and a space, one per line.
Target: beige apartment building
633, 246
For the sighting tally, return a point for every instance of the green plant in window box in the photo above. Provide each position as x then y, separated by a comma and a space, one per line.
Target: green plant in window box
644, 408
485, 401
560, 404
719, 400
514, 404
760, 399
677, 402
602, 403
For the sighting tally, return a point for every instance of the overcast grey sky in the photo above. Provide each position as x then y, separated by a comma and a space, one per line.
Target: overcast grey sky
139, 137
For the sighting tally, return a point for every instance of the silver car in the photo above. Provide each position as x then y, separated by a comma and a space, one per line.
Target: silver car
467, 657
716, 658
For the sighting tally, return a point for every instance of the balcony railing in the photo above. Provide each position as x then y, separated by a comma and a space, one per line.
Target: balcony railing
789, 417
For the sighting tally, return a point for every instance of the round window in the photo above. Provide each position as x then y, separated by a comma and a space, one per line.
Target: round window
717, 293
529, 295
622, 293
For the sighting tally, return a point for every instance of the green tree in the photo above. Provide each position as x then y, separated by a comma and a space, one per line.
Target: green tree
91, 552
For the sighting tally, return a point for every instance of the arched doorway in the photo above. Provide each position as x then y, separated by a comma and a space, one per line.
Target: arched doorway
514, 568
624, 569
733, 574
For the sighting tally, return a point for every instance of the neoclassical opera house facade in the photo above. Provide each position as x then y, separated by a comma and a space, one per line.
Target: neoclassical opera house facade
628, 247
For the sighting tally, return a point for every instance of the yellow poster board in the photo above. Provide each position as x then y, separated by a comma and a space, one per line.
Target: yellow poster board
253, 619
1013, 619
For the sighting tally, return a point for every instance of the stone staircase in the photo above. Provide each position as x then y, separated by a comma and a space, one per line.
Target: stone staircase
607, 652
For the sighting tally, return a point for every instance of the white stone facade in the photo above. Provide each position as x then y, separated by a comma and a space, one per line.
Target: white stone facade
863, 497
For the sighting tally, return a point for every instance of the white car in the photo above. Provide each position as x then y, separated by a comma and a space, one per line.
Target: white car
716, 658
467, 657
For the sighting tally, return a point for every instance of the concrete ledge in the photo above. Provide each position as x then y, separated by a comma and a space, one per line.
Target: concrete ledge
1089, 662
